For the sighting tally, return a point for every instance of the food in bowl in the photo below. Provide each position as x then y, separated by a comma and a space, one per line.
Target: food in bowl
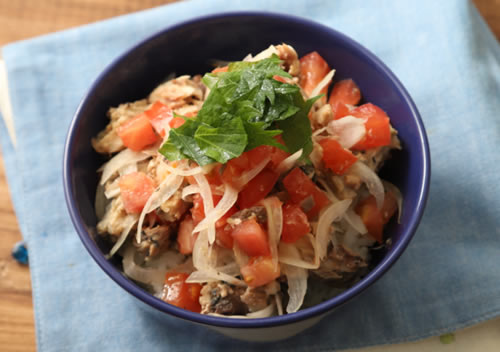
232, 194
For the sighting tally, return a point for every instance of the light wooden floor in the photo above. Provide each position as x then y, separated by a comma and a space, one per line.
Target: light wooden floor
20, 19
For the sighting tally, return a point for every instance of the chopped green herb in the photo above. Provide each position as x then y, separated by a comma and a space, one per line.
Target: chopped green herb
246, 108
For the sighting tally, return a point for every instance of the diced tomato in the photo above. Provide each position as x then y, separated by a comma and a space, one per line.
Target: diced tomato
299, 187
279, 78
260, 271
343, 92
256, 155
257, 189
276, 154
135, 190
251, 238
223, 220
234, 168
335, 157
223, 236
374, 218
340, 110
198, 210
220, 69
159, 115
378, 131
313, 68
185, 236
214, 177
178, 292
137, 133
176, 122
295, 223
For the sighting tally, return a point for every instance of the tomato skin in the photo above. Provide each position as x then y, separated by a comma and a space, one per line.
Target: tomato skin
276, 154
220, 69
181, 294
313, 68
340, 110
197, 210
223, 236
257, 189
279, 78
135, 190
299, 187
260, 271
185, 236
159, 115
295, 223
378, 131
176, 122
374, 218
335, 157
137, 133
251, 238
345, 92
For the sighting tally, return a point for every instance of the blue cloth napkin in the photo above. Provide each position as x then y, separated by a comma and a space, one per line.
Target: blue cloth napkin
448, 278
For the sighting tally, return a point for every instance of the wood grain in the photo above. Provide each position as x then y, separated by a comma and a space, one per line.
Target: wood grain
25, 19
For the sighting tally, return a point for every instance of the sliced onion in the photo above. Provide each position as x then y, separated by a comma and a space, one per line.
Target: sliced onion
297, 286
348, 130
240, 256
128, 169
319, 131
316, 155
326, 219
356, 244
279, 304
212, 275
350, 216
162, 193
289, 162
120, 160
274, 214
201, 252
371, 179
189, 190
184, 172
128, 223
263, 313
101, 202
397, 194
112, 189
264, 54
150, 276
323, 83
231, 269
250, 174
227, 201
208, 203
355, 221
289, 253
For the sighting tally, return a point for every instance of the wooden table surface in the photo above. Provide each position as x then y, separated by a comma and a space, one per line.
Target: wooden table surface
25, 19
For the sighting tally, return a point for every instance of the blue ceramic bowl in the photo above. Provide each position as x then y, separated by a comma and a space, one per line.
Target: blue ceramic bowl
187, 49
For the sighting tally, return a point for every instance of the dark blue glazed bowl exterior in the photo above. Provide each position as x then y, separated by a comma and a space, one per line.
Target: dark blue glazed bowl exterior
187, 49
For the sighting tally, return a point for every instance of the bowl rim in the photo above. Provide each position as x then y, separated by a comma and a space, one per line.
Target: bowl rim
317, 310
